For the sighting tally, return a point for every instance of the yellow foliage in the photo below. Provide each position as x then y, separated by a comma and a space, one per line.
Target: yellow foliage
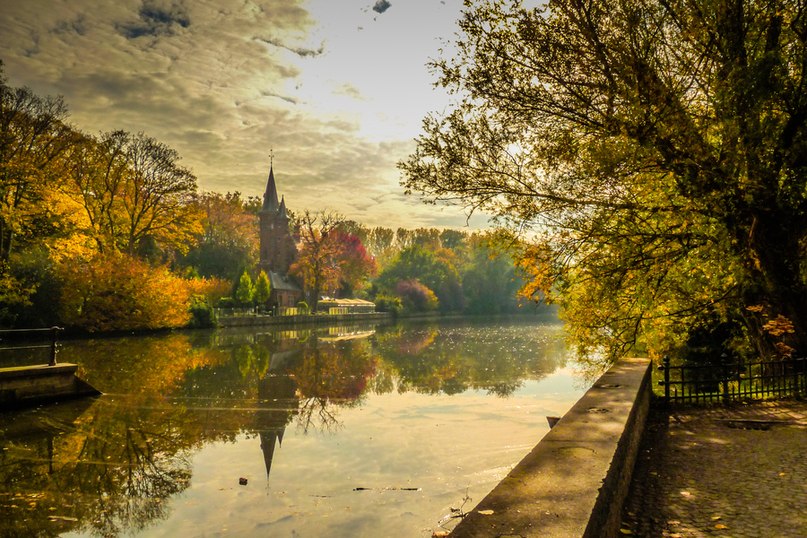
779, 326
118, 292
211, 288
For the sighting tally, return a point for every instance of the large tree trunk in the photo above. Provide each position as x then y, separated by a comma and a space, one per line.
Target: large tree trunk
775, 268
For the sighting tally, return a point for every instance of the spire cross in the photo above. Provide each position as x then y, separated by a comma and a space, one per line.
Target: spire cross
271, 157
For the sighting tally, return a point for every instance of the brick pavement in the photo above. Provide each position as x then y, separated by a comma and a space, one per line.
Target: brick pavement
737, 471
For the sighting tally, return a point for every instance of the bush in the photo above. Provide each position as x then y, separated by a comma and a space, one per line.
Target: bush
416, 296
202, 315
388, 303
115, 292
226, 302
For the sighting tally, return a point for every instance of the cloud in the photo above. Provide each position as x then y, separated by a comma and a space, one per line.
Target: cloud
381, 6
156, 20
349, 90
299, 51
77, 26
222, 81
286, 98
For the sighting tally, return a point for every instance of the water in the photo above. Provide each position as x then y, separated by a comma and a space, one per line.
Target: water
342, 431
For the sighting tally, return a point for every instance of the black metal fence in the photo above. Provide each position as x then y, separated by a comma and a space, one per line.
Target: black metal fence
724, 383
10, 345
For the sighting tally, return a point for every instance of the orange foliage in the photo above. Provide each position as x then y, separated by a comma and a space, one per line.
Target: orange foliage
212, 289
535, 263
117, 292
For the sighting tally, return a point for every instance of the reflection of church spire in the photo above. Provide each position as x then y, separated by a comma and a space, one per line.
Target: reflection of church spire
268, 441
278, 405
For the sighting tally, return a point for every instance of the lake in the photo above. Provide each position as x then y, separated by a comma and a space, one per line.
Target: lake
389, 430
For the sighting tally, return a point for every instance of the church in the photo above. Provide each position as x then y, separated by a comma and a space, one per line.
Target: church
278, 249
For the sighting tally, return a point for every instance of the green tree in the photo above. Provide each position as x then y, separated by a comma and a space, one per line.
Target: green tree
435, 272
244, 291
263, 289
655, 149
489, 280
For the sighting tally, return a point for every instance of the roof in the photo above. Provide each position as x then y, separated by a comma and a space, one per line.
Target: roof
346, 302
282, 283
270, 202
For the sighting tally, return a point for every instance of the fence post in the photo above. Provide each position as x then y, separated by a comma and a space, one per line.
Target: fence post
665, 362
725, 373
54, 336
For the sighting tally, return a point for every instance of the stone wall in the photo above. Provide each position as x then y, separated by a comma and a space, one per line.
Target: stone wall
574, 482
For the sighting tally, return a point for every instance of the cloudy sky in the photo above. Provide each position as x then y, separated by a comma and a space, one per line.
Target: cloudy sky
336, 88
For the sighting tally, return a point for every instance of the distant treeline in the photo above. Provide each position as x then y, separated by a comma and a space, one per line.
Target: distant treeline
109, 232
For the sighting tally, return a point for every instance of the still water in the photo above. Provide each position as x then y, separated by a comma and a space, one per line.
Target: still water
339, 431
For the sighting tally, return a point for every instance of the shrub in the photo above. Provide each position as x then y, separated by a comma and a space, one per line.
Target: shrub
202, 315
389, 303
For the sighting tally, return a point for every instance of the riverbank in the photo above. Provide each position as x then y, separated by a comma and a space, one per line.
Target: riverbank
257, 320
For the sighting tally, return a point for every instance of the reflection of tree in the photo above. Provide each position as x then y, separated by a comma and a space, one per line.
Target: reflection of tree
317, 412
103, 473
450, 360
112, 467
331, 373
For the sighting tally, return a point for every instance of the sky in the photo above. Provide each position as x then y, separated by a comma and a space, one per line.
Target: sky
334, 89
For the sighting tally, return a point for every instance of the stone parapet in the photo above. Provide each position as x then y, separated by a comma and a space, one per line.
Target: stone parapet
574, 482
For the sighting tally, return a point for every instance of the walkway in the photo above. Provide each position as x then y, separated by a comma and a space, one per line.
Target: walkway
739, 471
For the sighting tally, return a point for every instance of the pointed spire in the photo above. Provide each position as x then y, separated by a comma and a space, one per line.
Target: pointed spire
282, 210
270, 196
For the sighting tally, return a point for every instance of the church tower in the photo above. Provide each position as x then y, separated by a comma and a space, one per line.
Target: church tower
278, 249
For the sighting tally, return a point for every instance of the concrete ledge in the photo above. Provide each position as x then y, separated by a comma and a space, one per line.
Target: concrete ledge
30, 385
574, 482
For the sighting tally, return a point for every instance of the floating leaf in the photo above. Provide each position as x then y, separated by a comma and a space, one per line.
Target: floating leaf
486, 512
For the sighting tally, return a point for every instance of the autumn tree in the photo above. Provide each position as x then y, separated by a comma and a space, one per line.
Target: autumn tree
33, 136
415, 296
245, 289
380, 242
97, 170
489, 280
355, 263
317, 264
654, 151
135, 194
429, 268
114, 291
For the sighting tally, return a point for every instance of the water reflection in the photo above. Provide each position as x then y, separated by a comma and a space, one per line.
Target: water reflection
113, 464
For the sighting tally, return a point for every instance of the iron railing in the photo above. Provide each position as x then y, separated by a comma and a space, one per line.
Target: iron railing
14, 334
729, 382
